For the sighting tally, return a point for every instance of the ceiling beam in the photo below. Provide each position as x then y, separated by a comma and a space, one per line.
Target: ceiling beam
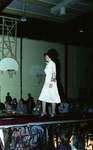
61, 5
4, 3
39, 2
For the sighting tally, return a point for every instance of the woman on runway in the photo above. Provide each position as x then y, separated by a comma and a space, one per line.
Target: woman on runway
49, 92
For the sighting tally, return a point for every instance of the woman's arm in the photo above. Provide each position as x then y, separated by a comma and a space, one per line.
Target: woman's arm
53, 75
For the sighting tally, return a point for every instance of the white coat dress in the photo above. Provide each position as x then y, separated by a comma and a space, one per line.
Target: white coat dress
50, 95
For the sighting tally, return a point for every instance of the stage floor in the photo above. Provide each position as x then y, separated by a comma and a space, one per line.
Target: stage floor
16, 119
31, 131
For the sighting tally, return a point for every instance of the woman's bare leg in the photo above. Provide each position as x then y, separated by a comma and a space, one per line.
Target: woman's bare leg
44, 107
53, 108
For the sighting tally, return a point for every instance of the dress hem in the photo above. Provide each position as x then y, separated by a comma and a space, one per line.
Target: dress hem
47, 101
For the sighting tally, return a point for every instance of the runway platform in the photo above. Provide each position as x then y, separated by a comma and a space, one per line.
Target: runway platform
9, 119
30, 132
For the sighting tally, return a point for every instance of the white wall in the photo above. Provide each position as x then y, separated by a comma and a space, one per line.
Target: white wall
33, 65
79, 73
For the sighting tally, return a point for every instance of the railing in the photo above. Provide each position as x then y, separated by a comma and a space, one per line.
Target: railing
26, 132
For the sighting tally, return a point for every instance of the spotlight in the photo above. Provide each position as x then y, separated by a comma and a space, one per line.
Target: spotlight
23, 19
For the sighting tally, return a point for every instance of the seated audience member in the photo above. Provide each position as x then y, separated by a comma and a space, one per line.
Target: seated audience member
63, 107
8, 97
21, 107
8, 106
65, 138
78, 142
37, 107
90, 108
14, 103
30, 103
2, 106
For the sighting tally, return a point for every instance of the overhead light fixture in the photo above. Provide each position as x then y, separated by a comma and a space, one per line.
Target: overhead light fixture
81, 30
23, 18
62, 11
63, 5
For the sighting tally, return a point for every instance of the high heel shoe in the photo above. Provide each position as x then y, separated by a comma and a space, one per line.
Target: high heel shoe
43, 115
52, 115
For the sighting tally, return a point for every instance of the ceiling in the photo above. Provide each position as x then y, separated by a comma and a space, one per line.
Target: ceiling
53, 10
55, 16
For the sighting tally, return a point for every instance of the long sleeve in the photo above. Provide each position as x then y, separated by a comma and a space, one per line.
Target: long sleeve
53, 72
49, 94
50, 72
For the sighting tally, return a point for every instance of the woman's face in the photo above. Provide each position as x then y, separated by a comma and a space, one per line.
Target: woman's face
47, 58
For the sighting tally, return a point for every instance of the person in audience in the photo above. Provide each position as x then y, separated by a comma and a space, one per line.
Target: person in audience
2, 106
37, 107
8, 106
21, 106
8, 98
65, 140
14, 103
64, 107
30, 103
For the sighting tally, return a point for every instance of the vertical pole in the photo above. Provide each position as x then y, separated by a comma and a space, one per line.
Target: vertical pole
21, 62
15, 39
3, 28
66, 70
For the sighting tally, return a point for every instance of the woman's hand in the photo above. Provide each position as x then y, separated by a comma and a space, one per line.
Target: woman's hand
50, 85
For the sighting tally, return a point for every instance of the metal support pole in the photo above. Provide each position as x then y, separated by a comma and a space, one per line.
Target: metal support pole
21, 39
66, 71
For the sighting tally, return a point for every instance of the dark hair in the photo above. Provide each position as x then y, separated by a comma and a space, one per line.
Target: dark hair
48, 54
52, 53
45, 54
